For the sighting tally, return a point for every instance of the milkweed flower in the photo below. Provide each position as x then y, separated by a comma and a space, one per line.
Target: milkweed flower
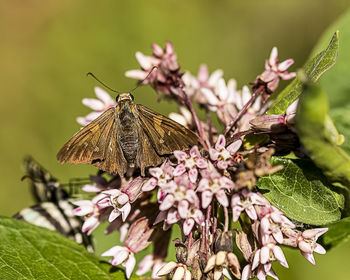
103, 102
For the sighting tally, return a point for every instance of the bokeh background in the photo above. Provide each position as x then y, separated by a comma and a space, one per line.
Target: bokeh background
47, 47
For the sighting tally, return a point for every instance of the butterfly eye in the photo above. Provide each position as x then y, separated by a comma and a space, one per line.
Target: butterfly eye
117, 98
132, 97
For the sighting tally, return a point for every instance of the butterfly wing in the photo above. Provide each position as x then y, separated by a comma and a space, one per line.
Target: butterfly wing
53, 210
165, 134
97, 144
146, 154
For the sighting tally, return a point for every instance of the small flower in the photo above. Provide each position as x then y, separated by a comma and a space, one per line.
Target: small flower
307, 243
267, 254
162, 176
149, 263
123, 256
222, 261
119, 201
98, 106
274, 71
167, 78
91, 209
189, 162
245, 201
291, 112
222, 155
213, 183
180, 271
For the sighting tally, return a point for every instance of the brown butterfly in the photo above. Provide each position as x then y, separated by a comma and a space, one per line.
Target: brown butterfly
127, 136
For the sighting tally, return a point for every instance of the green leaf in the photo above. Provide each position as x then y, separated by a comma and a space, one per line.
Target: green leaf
341, 118
302, 192
317, 135
31, 252
314, 68
338, 232
336, 82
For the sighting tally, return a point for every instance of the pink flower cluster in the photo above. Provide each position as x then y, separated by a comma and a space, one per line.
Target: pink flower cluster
204, 189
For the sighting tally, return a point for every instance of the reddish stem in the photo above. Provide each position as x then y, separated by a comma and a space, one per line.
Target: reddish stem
243, 110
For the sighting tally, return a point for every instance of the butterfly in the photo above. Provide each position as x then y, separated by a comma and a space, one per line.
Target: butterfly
53, 211
125, 137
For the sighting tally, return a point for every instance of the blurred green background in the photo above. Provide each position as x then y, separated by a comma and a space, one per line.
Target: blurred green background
47, 47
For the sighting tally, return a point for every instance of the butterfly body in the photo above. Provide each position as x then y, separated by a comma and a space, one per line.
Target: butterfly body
126, 136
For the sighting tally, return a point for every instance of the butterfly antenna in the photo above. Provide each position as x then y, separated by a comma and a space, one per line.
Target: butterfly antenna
102, 83
141, 82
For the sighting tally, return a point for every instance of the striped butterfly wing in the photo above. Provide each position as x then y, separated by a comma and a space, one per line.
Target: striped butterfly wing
53, 210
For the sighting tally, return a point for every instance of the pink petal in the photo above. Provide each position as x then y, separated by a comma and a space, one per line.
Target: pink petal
305, 247
157, 50
246, 95
144, 61
167, 268
309, 257
273, 56
129, 265
199, 217
246, 272
167, 202
236, 212
104, 96
222, 89
82, 211
169, 48
209, 96
113, 192
319, 249
265, 225
214, 154
283, 66
203, 185
113, 215
114, 251
90, 223
125, 211
94, 104
207, 197
136, 74
287, 76
214, 77
256, 259
123, 198
180, 155
187, 226
194, 152
234, 147
277, 251
278, 236
264, 255
193, 174
183, 209
201, 163
220, 143
251, 213
156, 172
145, 265
149, 185
222, 198
179, 170
160, 217
316, 232
92, 188
203, 73
222, 164
172, 217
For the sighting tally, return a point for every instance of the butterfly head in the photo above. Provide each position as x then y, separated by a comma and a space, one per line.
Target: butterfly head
124, 96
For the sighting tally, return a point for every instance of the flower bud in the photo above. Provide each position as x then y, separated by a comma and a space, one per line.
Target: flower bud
269, 124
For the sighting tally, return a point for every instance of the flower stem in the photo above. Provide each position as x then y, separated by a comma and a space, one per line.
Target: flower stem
243, 110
